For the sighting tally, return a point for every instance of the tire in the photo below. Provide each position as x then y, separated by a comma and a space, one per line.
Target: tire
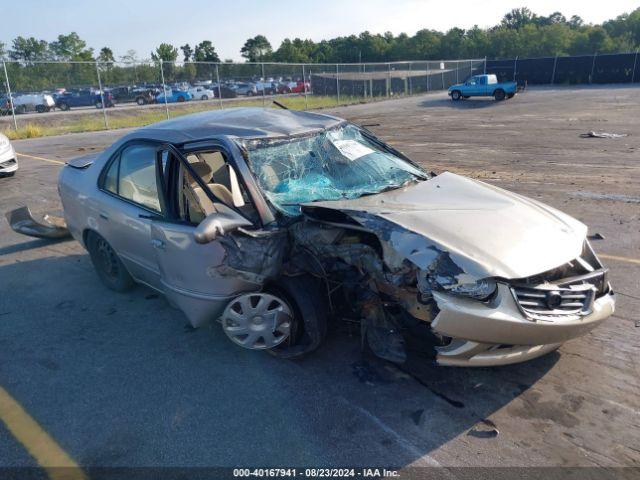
307, 298
41, 109
204, 97
64, 107
499, 95
180, 99
250, 93
140, 101
98, 104
456, 95
108, 265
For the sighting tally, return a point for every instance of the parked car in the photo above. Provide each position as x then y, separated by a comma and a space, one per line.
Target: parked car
173, 96
201, 93
8, 158
5, 105
483, 86
294, 87
139, 95
271, 220
33, 102
242, 88
83, 98
224, 91
270, 88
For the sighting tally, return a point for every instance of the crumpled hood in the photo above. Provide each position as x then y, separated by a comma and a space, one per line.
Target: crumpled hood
487, 231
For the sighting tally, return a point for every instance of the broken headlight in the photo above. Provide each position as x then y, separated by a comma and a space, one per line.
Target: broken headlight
480, 290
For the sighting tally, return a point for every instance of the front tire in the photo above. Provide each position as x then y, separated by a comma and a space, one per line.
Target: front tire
307, 298
108, 265
456, 95
64, 107
204, 97
499, 95
140, 101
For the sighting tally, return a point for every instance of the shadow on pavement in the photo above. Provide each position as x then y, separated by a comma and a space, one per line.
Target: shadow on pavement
119, 381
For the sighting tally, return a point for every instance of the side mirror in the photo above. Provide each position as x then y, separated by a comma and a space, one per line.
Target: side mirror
221, 222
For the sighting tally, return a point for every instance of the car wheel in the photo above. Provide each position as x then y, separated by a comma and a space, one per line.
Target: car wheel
98, 104
499, 95
249, 93
140, 101
64, 107
41, 109
204, 97
108, 265
456, 95
306, 297
180, 98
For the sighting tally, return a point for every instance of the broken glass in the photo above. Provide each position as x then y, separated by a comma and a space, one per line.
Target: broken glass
335, 164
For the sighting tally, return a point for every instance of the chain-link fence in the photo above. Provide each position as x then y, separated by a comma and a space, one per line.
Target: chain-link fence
582, 69
61, 97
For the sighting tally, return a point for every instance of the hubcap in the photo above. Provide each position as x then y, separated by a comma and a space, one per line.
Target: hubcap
257, 321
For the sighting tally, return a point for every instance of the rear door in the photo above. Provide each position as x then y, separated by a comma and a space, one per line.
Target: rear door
193, 276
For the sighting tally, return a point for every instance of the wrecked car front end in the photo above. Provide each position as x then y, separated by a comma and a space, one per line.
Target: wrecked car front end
444, 267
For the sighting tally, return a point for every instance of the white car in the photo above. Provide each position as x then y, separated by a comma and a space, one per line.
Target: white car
8, 159
29, 102
201, 93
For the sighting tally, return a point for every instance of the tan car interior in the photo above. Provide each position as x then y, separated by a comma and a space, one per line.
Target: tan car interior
219, 177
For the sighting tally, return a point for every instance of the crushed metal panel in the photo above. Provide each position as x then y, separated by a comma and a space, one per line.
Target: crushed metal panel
52, 227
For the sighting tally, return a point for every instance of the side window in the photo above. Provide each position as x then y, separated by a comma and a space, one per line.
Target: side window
111, 178
133, 176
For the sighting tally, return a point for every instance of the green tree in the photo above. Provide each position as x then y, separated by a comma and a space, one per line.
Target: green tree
165, 52
70, 47
518, 18
106, 55
256, 49
187, 52
28, 49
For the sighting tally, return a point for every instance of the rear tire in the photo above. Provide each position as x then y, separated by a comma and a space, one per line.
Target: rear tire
140, 101
108, 265
456, 95
204, 97
307, 298
64, 107
499, 95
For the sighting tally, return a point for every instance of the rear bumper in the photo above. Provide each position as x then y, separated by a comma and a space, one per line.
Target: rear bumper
484, 327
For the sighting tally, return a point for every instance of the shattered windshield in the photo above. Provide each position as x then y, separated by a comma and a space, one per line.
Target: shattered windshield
332, 165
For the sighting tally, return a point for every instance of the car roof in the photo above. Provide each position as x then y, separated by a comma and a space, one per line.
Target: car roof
245, 122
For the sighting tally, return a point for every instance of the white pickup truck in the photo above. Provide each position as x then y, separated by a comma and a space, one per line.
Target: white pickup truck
33, 102
201, 93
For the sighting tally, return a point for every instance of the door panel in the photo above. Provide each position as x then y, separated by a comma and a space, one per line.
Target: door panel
189, 272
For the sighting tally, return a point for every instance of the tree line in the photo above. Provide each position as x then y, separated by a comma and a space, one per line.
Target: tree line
520, 33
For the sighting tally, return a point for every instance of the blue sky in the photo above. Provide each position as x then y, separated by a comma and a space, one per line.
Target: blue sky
142, 25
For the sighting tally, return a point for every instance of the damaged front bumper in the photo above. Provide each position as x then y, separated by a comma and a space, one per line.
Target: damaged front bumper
497, 333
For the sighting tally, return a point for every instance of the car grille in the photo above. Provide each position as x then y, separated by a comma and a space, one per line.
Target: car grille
550, 303
8, 163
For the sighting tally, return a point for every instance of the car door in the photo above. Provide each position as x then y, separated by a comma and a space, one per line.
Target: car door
194, 276
482, 85
130, 199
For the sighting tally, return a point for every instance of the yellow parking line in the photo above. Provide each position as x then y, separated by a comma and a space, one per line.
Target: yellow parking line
41, 158
38, 443
620, 259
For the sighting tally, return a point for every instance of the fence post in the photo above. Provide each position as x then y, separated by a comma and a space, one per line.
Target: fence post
485, 66
633, 75
388, 80
443, 64
515, 68
338, 83
104, 107
470, 67
13, 110
263, 82
304, 86
428, 75
410, 80
553, 73
593, 67
219, 87
164, 89
457, 66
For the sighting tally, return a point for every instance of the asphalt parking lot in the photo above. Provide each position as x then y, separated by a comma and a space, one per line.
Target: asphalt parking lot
120, 380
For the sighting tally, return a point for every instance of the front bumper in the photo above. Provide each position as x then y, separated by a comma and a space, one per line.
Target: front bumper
497, 333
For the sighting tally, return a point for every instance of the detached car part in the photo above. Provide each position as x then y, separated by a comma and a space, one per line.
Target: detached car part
52, 227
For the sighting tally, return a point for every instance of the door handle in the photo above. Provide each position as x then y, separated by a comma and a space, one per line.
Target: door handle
159, 244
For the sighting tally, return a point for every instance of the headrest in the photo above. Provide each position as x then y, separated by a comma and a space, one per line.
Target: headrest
203, 170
